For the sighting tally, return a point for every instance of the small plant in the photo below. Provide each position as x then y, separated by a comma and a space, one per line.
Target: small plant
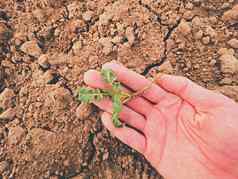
115, 92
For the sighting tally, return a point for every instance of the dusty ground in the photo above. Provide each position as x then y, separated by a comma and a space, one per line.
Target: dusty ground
47, 45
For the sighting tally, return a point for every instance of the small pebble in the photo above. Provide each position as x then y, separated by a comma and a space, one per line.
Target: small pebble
130, 35
83, 111
231, 16
229, 64
9, 114
189, 6
213, 62
196, 22
188, 15
198, 35
47, 77
105, 18
6, 98
31, 48
117, 39
184, 28
211, 32
87, 16
77, 46
107, 45
223, 51
226, 81
206, 40
43, 61
225, 5
233, 43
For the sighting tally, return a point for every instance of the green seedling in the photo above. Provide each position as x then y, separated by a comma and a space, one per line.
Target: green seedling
114, 92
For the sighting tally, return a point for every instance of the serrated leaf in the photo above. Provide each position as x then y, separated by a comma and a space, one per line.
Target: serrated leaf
117, 105
116, 86
115, 120
108, 76
88, 95
91, 136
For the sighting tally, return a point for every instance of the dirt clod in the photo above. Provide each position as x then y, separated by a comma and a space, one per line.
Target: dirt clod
233, 43
230, 91
231, 16
106, 44
39, 135
4, 165
184, 28
6, 98
198, 35
206, 40
130, 35
166, 67
77, 46
87, 16
15, 135
83, 111
229, 64
46, 77
44, 61
223, 51
31, 48
9, 114
4, 32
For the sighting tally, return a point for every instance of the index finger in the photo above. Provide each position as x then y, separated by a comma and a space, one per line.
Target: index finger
137, 82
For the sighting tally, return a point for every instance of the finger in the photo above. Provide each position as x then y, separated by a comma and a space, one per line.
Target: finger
137, 82
189, 91
127, 135
127, 115
138, 104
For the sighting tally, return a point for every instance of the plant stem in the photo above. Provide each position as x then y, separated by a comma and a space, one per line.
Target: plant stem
138, 92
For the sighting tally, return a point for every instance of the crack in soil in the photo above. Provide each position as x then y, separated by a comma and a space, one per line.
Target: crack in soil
158, 16
167, 36
165, 51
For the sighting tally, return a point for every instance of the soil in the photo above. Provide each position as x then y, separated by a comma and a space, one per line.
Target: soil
47, 45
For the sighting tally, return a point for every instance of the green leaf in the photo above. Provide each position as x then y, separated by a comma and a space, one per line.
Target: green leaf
117, 107
108, 76
88, 95
115, 120
91, 136
116, 86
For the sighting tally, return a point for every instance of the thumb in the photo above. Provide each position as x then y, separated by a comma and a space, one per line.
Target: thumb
189, 91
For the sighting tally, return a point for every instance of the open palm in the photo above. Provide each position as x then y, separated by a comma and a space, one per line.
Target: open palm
184, 130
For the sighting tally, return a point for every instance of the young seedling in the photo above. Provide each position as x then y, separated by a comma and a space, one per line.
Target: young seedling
114, 92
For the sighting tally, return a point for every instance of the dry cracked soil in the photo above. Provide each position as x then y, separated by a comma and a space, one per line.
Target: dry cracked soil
47, 45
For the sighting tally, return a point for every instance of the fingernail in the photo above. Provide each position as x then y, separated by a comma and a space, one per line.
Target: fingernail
87, 75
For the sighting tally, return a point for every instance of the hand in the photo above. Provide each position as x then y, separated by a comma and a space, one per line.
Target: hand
185, 131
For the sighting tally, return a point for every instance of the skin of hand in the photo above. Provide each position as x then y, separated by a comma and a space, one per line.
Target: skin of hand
185, 131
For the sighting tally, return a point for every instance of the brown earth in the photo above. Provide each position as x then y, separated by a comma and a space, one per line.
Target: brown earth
47, 45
